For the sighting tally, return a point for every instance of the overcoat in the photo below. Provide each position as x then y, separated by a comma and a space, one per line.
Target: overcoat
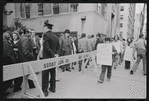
25, 49
8, 54
50, 45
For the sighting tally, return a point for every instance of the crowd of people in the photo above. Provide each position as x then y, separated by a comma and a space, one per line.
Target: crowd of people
26, 46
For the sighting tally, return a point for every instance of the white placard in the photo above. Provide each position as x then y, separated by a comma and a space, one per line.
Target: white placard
128, 53
104, 54
117, 46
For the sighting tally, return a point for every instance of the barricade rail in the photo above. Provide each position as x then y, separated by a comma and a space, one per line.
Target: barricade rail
28, 69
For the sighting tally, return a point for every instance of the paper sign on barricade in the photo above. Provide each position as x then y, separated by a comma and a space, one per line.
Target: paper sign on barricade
104, 54
117, 46
128, 53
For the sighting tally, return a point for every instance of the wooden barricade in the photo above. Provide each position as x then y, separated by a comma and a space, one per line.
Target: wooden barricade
29, 69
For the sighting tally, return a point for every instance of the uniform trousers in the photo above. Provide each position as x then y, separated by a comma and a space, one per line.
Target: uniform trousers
45, 80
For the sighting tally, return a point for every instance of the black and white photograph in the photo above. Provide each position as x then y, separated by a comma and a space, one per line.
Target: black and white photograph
74, 51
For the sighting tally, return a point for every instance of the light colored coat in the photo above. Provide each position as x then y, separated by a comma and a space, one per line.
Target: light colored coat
65, 44
83, 44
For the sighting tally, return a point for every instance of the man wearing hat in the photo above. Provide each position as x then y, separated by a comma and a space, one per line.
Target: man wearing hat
50, 50
140, 47
65, 47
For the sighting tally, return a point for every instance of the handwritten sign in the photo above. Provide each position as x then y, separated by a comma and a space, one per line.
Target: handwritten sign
128, 53
117, 46
104, 54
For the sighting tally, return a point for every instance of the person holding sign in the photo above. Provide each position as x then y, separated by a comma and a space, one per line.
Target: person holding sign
128, 54
117, 45
108, 61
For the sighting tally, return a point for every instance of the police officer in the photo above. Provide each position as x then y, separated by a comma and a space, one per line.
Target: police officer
50, 50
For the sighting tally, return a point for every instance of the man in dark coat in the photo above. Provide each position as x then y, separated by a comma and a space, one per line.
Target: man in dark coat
8, 58
25, 54
50, 48
36, 44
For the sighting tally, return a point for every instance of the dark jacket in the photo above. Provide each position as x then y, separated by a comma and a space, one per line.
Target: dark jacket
25, 49
37, 46
15, 49
50, 45
8, 55
98, 41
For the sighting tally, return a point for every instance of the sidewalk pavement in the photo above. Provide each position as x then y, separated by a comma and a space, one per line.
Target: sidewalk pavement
84, 85
75, 84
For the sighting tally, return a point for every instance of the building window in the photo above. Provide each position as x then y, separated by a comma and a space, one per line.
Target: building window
99, 8
40, 9
121, 24
121, 16
63, 7
122, 8
55, 8
104, 10
74, 7
47, 8
27, 11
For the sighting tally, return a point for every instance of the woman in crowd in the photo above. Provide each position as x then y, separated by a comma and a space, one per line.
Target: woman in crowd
15, 44
128, 59
117, 61
73, 51
98, 40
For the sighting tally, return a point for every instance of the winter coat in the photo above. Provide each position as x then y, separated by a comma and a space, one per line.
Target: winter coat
50, 45
65, 46
25, 49
8, 54
83, 45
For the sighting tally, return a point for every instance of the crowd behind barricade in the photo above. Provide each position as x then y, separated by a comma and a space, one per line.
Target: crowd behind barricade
24, 46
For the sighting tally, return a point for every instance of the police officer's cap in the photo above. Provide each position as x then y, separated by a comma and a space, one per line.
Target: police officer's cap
46, 23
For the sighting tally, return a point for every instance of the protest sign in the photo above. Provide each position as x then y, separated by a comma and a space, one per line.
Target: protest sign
128, 53
104, 54
117, 46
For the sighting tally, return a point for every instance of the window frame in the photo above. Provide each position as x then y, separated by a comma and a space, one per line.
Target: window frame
121, 24
56, 6
122, 7
99, 8
104, 8
27, 12
72, 6
40, 9
121, 17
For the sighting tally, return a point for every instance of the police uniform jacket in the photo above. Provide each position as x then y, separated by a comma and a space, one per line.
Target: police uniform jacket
50, 45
